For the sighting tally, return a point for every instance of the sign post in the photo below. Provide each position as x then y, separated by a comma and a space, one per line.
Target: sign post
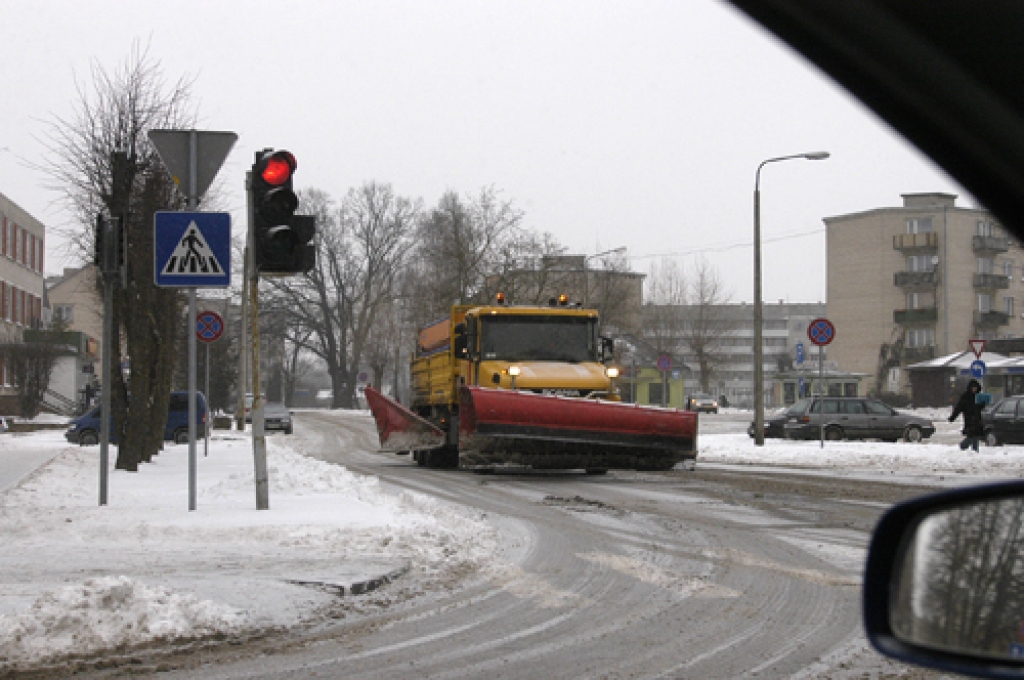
197, 157
664, 365
209, 329
821, 332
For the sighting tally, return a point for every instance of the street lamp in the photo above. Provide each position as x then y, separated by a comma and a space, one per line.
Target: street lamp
586, 275
758, 311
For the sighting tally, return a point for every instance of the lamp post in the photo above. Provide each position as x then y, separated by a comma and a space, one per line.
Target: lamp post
586, 274
758, 305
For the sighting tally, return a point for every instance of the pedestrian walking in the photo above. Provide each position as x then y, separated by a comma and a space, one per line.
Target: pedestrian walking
969, 406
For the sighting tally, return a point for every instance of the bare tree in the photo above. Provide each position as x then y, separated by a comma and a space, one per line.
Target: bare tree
707, 322
664, 324
101, 160
30, 365
461, 244
361, 250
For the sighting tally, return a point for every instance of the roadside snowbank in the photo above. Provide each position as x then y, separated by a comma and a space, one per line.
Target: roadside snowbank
80, 578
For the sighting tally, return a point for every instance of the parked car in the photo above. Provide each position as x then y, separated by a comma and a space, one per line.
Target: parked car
857, 418
702, 403
277, 417
1004, 421
85, 429
774, 423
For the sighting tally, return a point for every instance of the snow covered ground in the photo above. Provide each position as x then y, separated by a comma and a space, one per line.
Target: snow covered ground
79, 578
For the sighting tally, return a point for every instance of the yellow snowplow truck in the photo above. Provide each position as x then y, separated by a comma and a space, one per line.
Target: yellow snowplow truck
508, 385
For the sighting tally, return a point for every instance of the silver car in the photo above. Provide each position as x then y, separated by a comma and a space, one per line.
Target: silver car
277, 417
857, 418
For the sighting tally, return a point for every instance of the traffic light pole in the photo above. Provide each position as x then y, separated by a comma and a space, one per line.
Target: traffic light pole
259, 439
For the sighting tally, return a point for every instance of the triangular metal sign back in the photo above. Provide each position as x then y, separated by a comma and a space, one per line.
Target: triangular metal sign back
212, 148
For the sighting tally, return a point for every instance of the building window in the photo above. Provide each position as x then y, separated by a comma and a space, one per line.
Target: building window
920, 225
984, 228
913, 301
65, 313
920, 337
985, 265
984, 303
920, 263
1008, 305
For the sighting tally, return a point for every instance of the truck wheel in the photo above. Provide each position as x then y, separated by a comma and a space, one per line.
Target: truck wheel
88, 438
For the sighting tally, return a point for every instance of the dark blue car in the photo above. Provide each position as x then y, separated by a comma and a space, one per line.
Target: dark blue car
85, 429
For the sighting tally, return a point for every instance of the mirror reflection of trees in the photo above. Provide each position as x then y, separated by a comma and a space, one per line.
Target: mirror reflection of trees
961, 586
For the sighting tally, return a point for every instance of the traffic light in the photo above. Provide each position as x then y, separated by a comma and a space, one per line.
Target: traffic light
283, 240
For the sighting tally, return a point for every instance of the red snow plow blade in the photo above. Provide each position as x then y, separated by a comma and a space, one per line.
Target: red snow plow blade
400, 429
499, 427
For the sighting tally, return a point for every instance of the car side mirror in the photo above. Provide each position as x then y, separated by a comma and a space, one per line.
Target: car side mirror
943, 584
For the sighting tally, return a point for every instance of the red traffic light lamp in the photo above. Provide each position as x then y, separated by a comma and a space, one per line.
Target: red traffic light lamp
277, 167
283, 240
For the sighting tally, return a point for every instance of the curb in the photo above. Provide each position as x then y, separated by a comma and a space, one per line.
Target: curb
356, 588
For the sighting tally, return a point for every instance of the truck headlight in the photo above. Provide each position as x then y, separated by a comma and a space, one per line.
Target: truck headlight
513, 371
611, 372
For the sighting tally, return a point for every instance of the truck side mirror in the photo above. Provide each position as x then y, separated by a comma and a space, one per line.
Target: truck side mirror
461, 351
607, 350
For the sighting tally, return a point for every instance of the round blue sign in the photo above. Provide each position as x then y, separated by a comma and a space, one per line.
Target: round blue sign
978, 369
209, 326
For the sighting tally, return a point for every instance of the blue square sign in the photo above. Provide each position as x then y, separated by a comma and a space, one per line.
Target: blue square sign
192, 249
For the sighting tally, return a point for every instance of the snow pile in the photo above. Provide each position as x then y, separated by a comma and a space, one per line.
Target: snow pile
106, 613
80, 578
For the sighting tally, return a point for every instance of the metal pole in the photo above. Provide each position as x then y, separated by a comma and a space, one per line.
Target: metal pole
758, 306
259, 440
821, 390
243, 343
108, 381
193, 201
206, 392
758, 318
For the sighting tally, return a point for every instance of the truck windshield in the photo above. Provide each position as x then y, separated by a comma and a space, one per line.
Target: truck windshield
538, 338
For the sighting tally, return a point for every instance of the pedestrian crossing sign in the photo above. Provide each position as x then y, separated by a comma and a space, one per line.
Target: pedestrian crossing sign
192, 249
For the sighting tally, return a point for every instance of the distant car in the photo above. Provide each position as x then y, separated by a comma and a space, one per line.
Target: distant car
1004, 421
702, 402
277, 417
85, 429
248, 407
774, 423
857, 418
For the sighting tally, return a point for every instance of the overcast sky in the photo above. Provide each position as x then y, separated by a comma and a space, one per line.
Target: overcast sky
636, 124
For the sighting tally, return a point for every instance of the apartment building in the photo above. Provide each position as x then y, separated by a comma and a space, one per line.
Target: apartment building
22, 239
731, 345
910, 283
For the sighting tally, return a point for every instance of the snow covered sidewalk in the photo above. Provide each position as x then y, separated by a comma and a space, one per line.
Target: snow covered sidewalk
80, 579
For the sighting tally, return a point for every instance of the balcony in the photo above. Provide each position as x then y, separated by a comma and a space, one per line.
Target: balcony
991, 281
990, 244
990, 319
913, 355
911, 317
916, 243
916, 279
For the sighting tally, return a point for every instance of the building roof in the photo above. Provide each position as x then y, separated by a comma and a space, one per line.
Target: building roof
959, 360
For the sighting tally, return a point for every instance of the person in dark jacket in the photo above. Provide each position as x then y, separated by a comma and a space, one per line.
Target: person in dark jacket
974, 428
